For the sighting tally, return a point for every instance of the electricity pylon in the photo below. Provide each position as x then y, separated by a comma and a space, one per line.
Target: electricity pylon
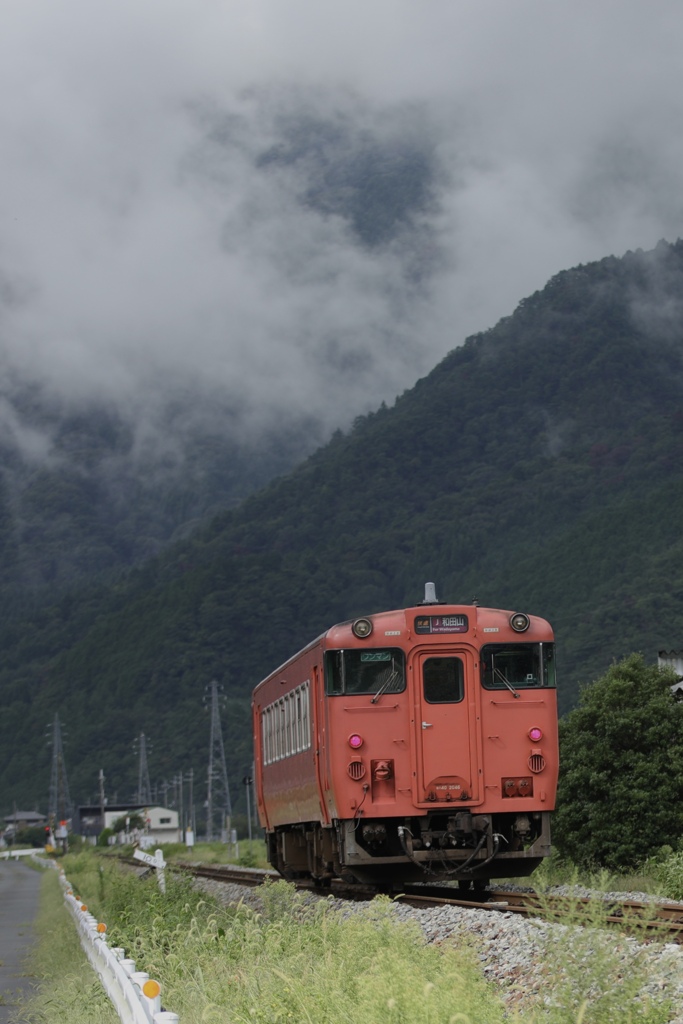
60, 808
144, 791
218, 791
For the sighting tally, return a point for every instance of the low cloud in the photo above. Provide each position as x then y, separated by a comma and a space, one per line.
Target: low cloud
275, 212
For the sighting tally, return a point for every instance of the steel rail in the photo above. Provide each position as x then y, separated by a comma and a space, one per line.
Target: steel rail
632, 915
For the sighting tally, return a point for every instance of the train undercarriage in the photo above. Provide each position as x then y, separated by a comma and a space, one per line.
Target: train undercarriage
462, 846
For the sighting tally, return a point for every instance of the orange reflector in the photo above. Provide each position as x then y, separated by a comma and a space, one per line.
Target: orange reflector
101, 927
84, 906
151, 989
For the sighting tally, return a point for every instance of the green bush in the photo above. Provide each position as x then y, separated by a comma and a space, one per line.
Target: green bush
666, 867
34, 836
103, 837
621, 769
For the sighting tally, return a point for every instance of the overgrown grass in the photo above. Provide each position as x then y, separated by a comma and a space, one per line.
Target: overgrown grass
667, 870
596, 972
67, 987
294, 962
247, 853
307, 962
649, 879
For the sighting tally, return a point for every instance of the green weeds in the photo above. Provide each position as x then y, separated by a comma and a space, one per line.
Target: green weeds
67, 989
305, 962
592, 971
297, 961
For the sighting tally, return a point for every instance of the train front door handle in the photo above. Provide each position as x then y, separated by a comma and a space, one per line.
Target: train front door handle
427, 725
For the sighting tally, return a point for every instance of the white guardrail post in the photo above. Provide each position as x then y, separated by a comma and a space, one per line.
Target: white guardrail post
135, 995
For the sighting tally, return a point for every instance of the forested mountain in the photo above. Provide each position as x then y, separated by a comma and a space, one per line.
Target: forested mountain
83, 495
538, 467
102, 463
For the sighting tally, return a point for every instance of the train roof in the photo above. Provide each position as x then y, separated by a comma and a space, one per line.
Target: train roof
437, 617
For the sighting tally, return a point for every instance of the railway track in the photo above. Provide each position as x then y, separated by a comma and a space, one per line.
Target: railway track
663, 921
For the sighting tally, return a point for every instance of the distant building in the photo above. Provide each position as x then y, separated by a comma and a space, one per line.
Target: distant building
673, 660
90, 821
17, 822
162, 825
24, 819
161, 822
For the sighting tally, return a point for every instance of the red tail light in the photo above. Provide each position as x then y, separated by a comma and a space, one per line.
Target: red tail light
518, 786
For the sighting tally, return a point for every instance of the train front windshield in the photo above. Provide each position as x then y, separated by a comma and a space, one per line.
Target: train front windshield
370, 671
517, 666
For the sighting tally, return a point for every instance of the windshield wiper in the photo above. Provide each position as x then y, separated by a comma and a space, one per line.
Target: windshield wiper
497, 672
385, 685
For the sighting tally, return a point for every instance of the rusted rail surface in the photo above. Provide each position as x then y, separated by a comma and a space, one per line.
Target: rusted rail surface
229, 873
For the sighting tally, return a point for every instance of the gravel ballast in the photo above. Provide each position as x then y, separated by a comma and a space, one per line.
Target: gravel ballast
513, 950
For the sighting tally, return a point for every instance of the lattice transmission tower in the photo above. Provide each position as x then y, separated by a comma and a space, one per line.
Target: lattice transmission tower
60, 807
144, 790
218, 804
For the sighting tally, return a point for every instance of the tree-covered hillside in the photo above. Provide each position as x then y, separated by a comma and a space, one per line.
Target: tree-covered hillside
115, 446
85, 492
539, 467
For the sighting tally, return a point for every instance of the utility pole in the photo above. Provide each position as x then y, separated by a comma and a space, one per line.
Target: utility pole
254, 807
191, 818
181, 817
247, 780
103, 800
218, 791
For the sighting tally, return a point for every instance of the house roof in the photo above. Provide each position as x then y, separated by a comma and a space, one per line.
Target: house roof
12, 819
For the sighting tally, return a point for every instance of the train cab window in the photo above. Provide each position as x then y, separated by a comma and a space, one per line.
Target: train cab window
517, 666
370, 671
443, 680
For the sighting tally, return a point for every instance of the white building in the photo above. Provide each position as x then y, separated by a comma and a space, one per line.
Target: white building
161, 826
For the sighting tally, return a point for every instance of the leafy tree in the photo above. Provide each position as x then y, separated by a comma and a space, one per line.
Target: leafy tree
127, 822
621, 775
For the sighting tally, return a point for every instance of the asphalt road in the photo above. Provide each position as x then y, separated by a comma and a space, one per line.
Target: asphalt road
19, 896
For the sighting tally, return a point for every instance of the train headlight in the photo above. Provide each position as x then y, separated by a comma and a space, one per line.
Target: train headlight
361, 628
535, 734
355, 741
520, 622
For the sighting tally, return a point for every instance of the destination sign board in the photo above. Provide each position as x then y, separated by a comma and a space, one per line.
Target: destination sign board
441, 624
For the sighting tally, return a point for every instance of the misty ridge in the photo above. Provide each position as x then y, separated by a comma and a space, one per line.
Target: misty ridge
322, 226
537, 466
337, 203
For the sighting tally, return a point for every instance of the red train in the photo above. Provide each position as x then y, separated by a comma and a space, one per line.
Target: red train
411, 745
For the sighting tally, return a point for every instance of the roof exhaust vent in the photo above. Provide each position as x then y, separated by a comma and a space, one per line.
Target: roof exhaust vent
430, 594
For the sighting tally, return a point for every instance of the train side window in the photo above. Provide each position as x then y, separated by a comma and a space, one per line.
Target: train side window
443, 680
285, 725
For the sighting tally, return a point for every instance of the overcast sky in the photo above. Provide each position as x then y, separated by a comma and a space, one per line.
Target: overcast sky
175, 181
